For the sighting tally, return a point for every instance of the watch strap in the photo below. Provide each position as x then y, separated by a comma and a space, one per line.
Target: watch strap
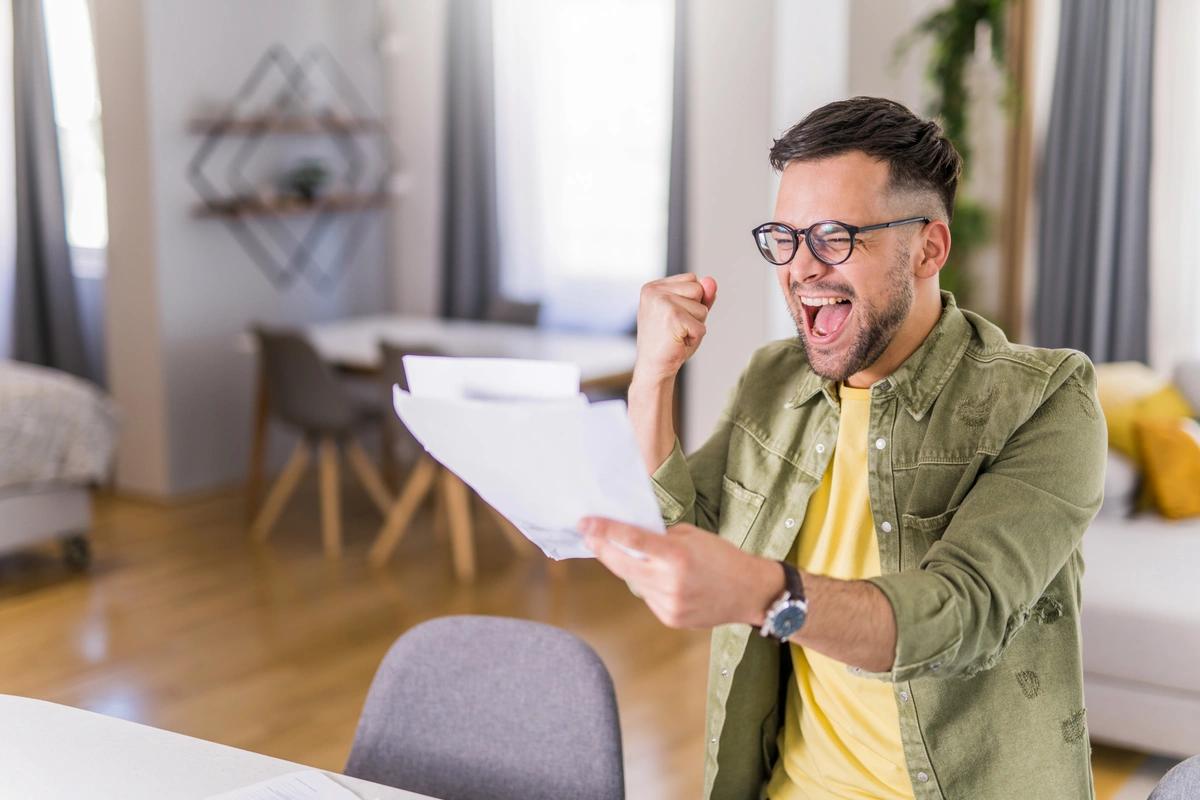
792, 581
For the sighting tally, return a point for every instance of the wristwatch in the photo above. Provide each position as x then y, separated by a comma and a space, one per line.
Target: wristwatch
787, 614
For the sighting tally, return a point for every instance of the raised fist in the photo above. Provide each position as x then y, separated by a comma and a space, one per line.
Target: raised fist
671, 323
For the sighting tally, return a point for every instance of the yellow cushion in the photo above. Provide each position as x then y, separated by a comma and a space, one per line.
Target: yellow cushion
1166, 404
1171, 455
1122, 382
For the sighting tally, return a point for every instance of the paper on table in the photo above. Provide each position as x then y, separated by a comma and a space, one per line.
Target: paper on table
306, 785
544, 465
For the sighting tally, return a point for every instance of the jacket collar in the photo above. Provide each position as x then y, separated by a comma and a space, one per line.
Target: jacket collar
920, 379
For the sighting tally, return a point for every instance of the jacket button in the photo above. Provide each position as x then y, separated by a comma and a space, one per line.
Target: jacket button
713, 740
724, 673
820, 447
789, 523
880, 443
903, 697
923, 776
886, 527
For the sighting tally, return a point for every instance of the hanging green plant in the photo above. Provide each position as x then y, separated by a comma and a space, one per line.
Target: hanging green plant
952, 33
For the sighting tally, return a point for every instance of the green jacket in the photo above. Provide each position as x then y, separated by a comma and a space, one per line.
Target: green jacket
987, 465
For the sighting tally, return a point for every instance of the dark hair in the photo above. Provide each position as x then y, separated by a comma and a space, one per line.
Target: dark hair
918, 154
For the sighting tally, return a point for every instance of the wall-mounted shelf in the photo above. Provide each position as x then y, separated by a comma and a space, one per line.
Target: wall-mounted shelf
281, 230
316, 124
288, 206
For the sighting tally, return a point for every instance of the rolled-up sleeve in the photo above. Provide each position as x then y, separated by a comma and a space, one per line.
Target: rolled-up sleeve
688, 488
1014, 532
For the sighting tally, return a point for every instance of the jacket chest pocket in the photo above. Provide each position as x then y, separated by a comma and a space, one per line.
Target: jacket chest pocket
739, 510
917, 535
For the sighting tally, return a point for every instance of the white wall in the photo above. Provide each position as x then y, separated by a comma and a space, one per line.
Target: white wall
181, 289
414, 52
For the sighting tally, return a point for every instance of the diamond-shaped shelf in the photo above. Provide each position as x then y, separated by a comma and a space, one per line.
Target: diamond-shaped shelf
283, 230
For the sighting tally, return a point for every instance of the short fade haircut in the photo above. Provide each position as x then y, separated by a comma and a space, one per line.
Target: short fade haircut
918, 154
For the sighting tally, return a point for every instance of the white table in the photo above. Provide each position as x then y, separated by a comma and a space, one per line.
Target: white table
605, 361
49, 751
354, 343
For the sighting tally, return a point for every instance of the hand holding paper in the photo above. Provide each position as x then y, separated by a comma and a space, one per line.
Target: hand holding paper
542, 455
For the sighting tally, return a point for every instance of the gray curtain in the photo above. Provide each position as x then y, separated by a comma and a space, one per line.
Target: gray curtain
677, 256
1092, 269
470, 222
46, 316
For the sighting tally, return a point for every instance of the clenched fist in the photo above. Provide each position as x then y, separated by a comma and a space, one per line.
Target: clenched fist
670, 323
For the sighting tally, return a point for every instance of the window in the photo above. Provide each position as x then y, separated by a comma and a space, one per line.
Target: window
77, 113
583, 97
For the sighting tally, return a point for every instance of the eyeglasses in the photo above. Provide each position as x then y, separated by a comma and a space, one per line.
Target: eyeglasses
830, 241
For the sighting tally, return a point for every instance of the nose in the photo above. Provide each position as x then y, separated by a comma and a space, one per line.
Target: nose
805, 267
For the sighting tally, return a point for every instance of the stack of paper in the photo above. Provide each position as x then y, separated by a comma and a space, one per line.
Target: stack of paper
523, 437
306, 785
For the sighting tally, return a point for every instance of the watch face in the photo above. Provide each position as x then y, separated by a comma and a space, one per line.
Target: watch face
788, 620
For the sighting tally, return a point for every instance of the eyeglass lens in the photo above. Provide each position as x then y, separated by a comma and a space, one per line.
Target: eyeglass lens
828, 241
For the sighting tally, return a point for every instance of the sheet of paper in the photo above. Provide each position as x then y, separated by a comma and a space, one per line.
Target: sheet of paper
306, 785
491, 378
544, 465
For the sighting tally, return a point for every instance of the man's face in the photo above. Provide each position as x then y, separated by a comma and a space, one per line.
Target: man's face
876, 284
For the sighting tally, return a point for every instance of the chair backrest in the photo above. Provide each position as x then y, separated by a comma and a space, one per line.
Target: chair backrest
302, 388
467, 708
512, 312
391, 373
1182, 782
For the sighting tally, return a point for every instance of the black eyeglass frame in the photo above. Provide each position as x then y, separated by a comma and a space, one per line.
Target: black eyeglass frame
853, 230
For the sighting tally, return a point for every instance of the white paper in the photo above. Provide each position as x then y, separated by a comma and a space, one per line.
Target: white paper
542, 464
306, 785
491, 378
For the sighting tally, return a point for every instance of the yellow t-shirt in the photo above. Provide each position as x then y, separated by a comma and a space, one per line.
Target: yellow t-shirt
841, 732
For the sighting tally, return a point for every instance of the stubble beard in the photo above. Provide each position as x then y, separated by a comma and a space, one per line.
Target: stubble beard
876, 327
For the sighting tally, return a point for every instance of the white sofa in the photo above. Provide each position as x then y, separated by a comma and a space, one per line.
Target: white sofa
1141, 618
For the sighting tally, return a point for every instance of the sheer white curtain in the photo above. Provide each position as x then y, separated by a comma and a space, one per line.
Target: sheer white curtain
583, 127
1175, 186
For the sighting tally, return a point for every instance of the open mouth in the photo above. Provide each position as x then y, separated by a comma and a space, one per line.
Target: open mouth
825, 317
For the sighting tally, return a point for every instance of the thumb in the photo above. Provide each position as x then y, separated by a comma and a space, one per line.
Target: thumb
710, 291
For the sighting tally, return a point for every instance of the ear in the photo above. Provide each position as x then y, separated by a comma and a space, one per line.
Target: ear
935, 249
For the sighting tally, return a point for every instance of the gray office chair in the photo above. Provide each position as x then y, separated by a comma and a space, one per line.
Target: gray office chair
1181, 783
426, 475
303, 392
489, 708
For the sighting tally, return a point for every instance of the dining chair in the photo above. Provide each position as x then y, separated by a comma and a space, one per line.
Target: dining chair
427, 475
305, 394
512, 312
475, 708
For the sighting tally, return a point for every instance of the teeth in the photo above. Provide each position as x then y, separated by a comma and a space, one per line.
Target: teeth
822, 301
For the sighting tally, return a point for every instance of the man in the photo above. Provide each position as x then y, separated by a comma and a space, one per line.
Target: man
899, 495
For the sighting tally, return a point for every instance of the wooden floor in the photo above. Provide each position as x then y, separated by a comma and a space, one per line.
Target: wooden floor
183, 624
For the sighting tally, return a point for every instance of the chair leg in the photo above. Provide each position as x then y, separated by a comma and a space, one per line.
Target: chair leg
387, 461
280, 493
368, 476
420, 481
458, 507
520, 545
331, 500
